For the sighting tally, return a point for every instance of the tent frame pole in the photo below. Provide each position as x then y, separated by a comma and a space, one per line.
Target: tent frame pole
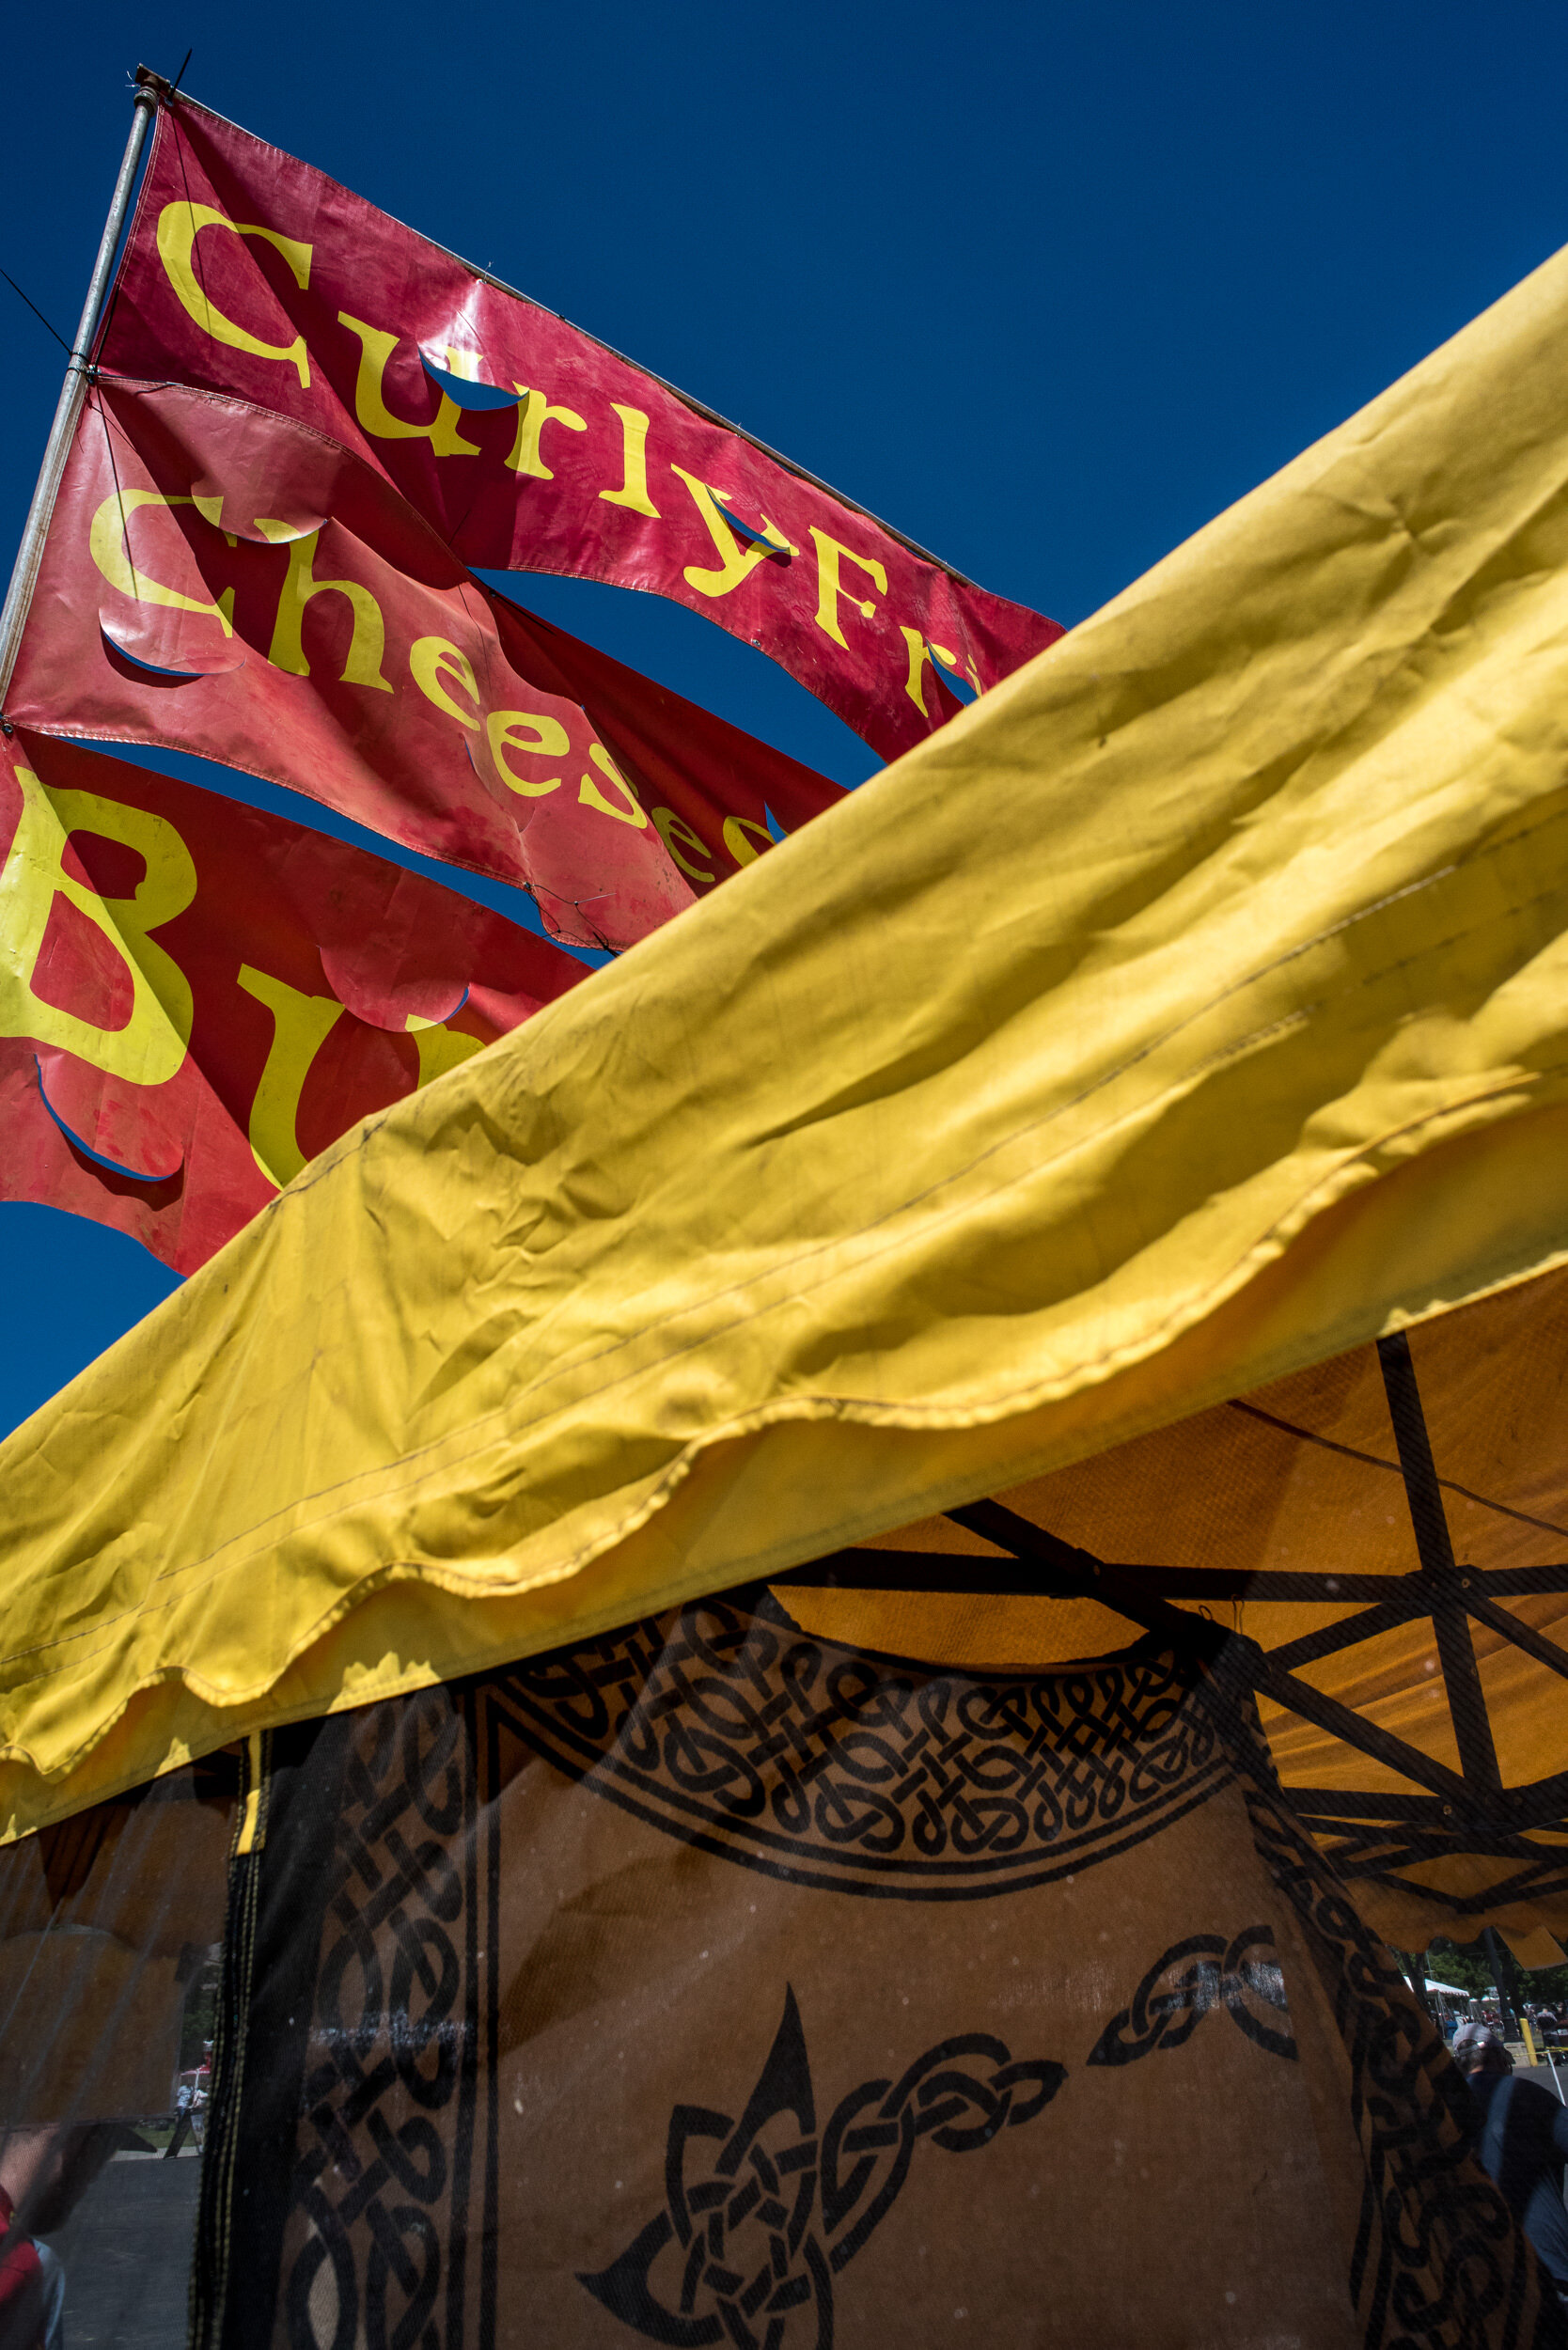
1446, 1587
150, 89
1366, 1833
1500, 1959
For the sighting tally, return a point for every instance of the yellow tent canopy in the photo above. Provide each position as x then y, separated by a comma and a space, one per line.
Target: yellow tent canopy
1182, 1018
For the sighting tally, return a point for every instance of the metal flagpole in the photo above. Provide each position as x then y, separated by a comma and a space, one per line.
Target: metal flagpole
19, 595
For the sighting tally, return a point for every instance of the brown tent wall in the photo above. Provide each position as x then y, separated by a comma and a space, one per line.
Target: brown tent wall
712, 1982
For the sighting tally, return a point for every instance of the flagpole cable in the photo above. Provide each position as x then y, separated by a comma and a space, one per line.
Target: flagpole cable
19, 595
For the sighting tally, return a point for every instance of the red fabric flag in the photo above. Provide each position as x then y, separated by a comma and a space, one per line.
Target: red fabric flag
718, 797
527, 443
195, 997
220, 581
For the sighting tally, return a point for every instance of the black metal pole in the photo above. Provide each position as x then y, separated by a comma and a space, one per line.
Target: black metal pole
73, 390
1506, 1978
1472, 1728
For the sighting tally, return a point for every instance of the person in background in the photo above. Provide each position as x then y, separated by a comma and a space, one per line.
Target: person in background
1521, 2145
1476, 2034
32, 2289
44, 2173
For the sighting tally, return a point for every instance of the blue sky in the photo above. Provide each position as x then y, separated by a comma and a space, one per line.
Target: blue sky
1045, 287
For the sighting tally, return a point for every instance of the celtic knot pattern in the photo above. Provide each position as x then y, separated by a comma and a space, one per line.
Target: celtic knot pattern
734, 2255
1205, 1971
1437, 2265
844, 1771
385, 2116
357, 2192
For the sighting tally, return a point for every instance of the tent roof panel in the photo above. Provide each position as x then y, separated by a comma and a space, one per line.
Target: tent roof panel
1188, 1011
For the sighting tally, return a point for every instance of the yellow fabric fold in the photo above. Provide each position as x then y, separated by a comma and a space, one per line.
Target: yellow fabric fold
1192, 1007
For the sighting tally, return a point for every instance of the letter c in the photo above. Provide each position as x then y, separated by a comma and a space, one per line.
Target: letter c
178, 226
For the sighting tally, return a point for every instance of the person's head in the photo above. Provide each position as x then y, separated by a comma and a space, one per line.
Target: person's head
1479, 2059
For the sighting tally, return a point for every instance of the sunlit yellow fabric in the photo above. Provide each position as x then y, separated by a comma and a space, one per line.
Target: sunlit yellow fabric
1189, 1010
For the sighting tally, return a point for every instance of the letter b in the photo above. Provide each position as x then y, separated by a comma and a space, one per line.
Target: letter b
150, 1047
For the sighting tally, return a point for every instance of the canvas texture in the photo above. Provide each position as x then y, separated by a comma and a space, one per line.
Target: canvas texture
712, 1983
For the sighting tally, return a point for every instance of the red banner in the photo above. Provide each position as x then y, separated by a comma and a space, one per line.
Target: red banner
525, 443
718, 797
196, 997
221, 580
